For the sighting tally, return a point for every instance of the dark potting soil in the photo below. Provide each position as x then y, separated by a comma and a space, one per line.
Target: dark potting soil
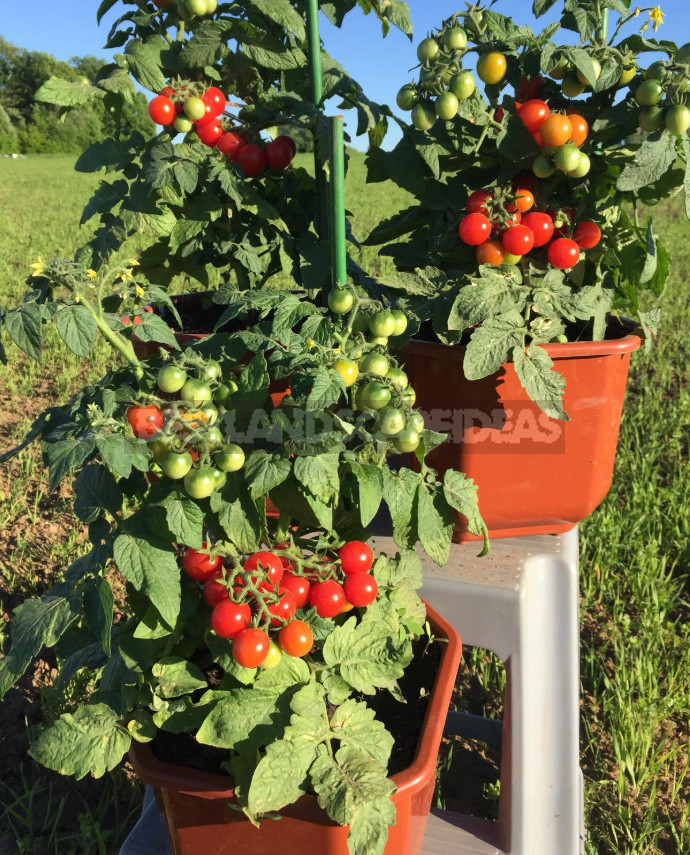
403, 721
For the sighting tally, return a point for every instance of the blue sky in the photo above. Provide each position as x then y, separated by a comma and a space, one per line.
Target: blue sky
68, 28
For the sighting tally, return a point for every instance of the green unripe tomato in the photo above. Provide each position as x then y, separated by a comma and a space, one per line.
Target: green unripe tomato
160, 447
446, 106
511, 258
211, 6
681, 82
183, 125
390, 421
375, 363
220, 479
561, 69
582, 167
171, 379
462, 85
416, 420
423, 117
273, 657
627, 75
223, 392
340, 301
381, 340
196, 393
682, 56
213, 439
176, 466
398, 378
373, 396
361, 322
656, 71
200, 483
194, 109
400, 319
407, 440
211, 371
455, 39
649, 93
428, 50
543, 166
196, 7
597, 71
410, 396
651, 118
407, 97
230, 459
566, 157
382, 324
572, 87
677, 119
209, 413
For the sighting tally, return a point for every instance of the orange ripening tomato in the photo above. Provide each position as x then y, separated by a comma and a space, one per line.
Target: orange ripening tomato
556, 130
580, 127
524, 201
490, 252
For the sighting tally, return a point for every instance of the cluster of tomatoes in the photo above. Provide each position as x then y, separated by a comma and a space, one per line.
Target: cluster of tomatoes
185, 112
260, 596
189, 8
187, 443
659, 77
522, 229
561, 137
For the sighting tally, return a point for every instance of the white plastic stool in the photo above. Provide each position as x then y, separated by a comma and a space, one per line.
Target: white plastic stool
521, 602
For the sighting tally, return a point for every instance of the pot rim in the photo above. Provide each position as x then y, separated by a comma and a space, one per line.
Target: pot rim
211, 785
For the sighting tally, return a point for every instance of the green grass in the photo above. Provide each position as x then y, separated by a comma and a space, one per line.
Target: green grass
635, 548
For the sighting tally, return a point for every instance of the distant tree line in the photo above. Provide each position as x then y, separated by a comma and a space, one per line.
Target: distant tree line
29, 127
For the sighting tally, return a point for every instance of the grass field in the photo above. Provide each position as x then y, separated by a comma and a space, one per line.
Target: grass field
634, 579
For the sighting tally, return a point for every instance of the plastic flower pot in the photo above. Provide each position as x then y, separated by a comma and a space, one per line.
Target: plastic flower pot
536, 475
200, 819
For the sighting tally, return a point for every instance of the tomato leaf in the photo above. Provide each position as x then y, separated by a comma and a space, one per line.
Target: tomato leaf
92, 741
355, 724
461, 494
65, 455
25, 326
264, 471
319, 475
434, 524
145, 62
652, 159
176, 676
121, 453
96, 491
185, 520
544, 385
490, 344
98, 610
247, 716
370, 484
67, 93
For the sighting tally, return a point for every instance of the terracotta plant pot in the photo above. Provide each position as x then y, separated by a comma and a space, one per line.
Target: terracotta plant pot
536, 475
201, 822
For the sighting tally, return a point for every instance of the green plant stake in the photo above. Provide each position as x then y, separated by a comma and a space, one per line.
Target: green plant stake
337, 202
314, 39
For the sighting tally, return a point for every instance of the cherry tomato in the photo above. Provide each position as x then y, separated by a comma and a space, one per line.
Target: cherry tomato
196, 393
391, 420
656, 71
289, 141
462, 85
210, 134
340, 301
284, 609
162, 110
228, 618
375, 363
209, 118
677, 119
298, 586
373, 396
273, 657
563, 253
529, 89
582, 167
648, 93
348, 371
360, 590
171, 379
356, 557
176, 465
398, 378
327, 598
145, 421
651, 118
492, 67
230, 143
407, 97
524, 201
475, 229
251, 159
382, 324
407, 440
423, 117
270, 573
476, 204
211, 371
216, 99
230, 458
200, 566
400, 319
215, 590
556, 130
490, 252
250, 647
446, 106
533, 114
597, 71
627, 75
543, 166
541, 226
587, 235
183, 125
296, 639
195, 108
455, 38
580, 127
167, 92
567, 157
428, 50
518, 240
200, 483
278, 154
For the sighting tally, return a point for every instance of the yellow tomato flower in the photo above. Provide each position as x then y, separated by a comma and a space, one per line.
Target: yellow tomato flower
138, 290
91, 273
133, 262
311, 343
126, 276
37, 267
637, 11
657, 17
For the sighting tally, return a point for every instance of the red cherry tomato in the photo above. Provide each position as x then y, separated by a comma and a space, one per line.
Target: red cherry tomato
210, 134
228, 618
250, 647
529, 89
475, 229
533, 114
356, 557
490, 252
298, 586
541, 226
145, 421
327, 598
230, 144
209, 116
162, 110
284, 609
476, 204
518, 240
167, 92
278, 154
580, 126
199, 566
360, 589
251, 159
289, 140
563, 253
215, 590
296, 639
270, 569
216, 99
587, 235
